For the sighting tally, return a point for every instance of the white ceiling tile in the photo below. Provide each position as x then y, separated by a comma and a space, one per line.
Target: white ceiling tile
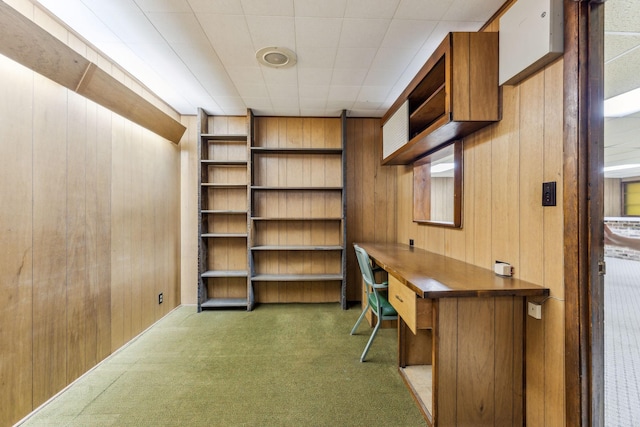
317, 32
178, 27
282, 91
284, 102
348, 76
276, 31
472, 10
268, 8
279, 76
336, 105
313, 103
344, 93
349, 57
313, 92
315, 76
322, 9
262, 103
245, 75
253, 91
393, 59
408, 34
164, 5
373, 95
363, 32
236, 56
431, 10
230, 30
316, 57
286, 111
371, 8
228, 7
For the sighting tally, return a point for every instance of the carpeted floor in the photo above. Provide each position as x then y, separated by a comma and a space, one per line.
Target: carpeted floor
279, 365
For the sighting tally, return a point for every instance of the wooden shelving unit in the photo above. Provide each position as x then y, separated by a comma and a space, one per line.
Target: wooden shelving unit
224, 170
454, 94
297, 224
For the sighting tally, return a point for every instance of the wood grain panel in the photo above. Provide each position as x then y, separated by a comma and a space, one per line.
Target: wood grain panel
103, 218
371, 207
476, 352
76, 237
505, 191
16, 262
554, 348
49, 239
531, 127
446, 362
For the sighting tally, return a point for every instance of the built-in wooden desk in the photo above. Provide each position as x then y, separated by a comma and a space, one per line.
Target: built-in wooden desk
460, 336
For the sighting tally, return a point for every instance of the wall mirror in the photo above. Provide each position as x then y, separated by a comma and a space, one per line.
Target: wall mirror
437, 187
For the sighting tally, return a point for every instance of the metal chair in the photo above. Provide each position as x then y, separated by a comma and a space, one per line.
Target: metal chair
376, 301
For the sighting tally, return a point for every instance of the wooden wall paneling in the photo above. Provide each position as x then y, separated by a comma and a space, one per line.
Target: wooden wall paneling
139, 299
91, 236
16, 263
76, 250
189, 159
476, 376
505, 183
103, 218
118, 235
469, 198
127, 222
553, 246
508, 353
532, 128
445, 361
612, 197
482, 197
147, 166
535, 370
49, 239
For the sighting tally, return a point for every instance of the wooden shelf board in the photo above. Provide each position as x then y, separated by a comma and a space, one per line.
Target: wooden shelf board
302, 150
225, 303
224, 138
296, 248
263, 218
224, 273
225, 212
257, 187
295, 277
224, 235
419, 378
212, 185
428, 111
224, 163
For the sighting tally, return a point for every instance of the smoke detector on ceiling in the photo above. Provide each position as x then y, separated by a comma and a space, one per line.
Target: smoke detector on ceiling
276, 57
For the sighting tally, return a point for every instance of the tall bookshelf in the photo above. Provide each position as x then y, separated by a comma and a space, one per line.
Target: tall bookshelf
297, 224
224, 204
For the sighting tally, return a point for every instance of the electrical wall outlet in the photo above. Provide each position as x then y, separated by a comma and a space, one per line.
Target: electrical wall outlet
160, 298
534, 310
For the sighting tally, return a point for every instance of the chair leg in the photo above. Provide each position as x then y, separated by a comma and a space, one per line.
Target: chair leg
373, 335
353, 331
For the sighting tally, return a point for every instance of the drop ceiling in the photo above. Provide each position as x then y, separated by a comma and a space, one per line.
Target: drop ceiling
354, 55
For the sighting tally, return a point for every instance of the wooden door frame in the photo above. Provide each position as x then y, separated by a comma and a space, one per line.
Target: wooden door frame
583, 211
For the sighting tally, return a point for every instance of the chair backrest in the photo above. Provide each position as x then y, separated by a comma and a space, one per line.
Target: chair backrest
365, 266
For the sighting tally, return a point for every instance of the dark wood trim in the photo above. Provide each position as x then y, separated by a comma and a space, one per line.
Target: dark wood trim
583, 183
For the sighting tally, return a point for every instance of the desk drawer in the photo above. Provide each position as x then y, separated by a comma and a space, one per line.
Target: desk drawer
416, 312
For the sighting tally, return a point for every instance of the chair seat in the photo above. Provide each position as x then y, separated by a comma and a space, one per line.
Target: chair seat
385, 305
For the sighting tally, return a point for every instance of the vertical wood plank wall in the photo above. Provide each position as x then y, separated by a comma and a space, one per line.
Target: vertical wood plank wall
371, 198
505, 165
89, 231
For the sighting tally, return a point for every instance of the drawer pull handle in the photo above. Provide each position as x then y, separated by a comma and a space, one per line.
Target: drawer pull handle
398, 298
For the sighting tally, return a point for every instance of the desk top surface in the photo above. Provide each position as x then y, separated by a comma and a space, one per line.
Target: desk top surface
436, 276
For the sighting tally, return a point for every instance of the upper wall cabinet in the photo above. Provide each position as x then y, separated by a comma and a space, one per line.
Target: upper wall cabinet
454, 94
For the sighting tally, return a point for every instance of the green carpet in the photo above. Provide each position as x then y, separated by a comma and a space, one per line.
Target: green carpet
279, 365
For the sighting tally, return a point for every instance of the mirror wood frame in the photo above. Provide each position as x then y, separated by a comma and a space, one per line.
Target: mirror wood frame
422, 185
